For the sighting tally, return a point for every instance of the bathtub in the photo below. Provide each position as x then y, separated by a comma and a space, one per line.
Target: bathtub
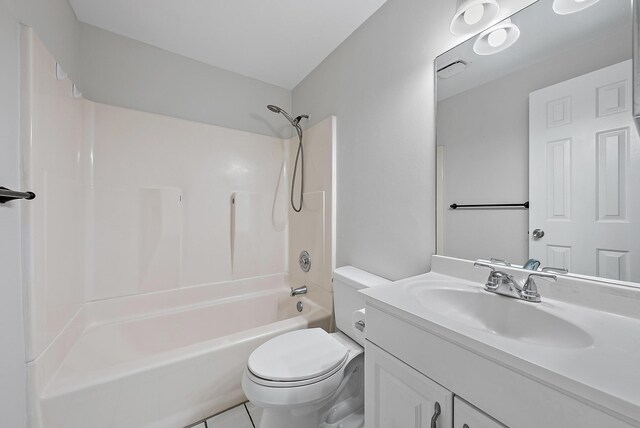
169, 367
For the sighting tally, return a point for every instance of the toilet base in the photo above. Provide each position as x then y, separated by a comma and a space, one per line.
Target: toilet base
343, 410
278, 418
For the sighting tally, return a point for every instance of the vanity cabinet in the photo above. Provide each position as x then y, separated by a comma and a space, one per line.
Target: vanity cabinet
467, 416
408, 369
397, 396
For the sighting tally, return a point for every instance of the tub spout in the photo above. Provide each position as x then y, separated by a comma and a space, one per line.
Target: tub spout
298, 291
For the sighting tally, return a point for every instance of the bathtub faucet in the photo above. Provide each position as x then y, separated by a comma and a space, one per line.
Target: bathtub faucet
298, 291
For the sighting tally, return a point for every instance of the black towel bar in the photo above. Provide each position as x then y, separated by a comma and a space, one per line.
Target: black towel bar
524, 205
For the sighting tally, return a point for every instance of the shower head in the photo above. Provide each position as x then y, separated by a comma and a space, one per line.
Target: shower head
299, 154
294, 122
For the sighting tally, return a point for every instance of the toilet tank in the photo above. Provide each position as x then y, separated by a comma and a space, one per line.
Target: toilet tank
347, 281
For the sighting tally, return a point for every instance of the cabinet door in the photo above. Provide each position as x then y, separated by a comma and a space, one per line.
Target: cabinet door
397, 396
467, 416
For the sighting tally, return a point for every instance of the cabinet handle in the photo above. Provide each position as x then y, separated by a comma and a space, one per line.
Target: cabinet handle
436, 413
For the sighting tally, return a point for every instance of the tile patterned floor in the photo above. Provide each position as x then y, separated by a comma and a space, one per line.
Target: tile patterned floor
243, 416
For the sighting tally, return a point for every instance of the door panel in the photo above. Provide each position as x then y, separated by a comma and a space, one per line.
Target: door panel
584, 169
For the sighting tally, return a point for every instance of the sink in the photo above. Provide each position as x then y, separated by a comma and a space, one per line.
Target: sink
503, 316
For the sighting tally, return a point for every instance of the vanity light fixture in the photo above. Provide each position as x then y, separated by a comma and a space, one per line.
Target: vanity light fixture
566, 7
497, 38
473, 15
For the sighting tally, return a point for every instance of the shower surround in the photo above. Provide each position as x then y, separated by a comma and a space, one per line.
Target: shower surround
157, 255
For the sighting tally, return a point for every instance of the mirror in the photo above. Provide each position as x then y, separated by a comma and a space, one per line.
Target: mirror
535, 114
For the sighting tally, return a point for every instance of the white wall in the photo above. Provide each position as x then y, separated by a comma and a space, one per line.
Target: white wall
379, 84
54, 159
162, 203
13, 396
120, 71
493, 144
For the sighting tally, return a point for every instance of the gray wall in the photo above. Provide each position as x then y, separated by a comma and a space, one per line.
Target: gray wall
56, 24
485, 132
379, 84
116, 70
120, 71
13, 394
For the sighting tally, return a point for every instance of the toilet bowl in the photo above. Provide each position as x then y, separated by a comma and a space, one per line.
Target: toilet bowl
310, 378
320, 387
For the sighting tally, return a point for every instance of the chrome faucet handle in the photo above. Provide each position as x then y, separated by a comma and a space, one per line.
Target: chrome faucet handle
500, 262
530, 289
496, 277
484, 264
490, 284
555, 270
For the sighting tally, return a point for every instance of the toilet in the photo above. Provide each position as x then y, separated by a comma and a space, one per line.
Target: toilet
310, 378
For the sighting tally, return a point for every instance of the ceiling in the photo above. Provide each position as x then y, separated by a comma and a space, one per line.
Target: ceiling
543, 35
276, 41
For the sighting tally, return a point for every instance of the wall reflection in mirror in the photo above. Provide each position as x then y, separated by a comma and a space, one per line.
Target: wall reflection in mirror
538, 108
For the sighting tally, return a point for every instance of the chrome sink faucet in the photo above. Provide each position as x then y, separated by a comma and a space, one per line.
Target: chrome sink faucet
500, 282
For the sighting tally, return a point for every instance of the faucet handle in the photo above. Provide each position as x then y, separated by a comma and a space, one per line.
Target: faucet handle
543, 275
484, 264
562, 271
500, 262
530, 290
496, 277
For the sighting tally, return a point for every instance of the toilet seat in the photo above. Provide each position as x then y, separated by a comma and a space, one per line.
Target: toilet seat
294, 383
297, 358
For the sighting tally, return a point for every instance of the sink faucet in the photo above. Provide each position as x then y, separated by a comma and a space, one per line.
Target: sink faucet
502, 283
298, 291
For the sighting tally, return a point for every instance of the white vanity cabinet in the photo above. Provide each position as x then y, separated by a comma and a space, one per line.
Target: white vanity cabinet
467, 416
409, 368
397, 396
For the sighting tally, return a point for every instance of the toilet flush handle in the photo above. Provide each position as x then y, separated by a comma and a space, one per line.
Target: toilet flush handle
359, 325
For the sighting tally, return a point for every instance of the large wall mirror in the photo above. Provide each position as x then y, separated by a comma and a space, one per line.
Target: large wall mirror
535, 113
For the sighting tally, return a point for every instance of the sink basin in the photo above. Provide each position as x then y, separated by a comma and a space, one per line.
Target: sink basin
503, 316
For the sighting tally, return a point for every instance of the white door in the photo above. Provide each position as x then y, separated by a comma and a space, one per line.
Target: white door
397, 396
584, 175
467, 416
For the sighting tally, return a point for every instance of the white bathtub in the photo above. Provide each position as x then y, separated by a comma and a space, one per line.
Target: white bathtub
170, 367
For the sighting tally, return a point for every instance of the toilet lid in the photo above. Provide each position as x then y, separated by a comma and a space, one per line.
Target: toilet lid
298, 355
